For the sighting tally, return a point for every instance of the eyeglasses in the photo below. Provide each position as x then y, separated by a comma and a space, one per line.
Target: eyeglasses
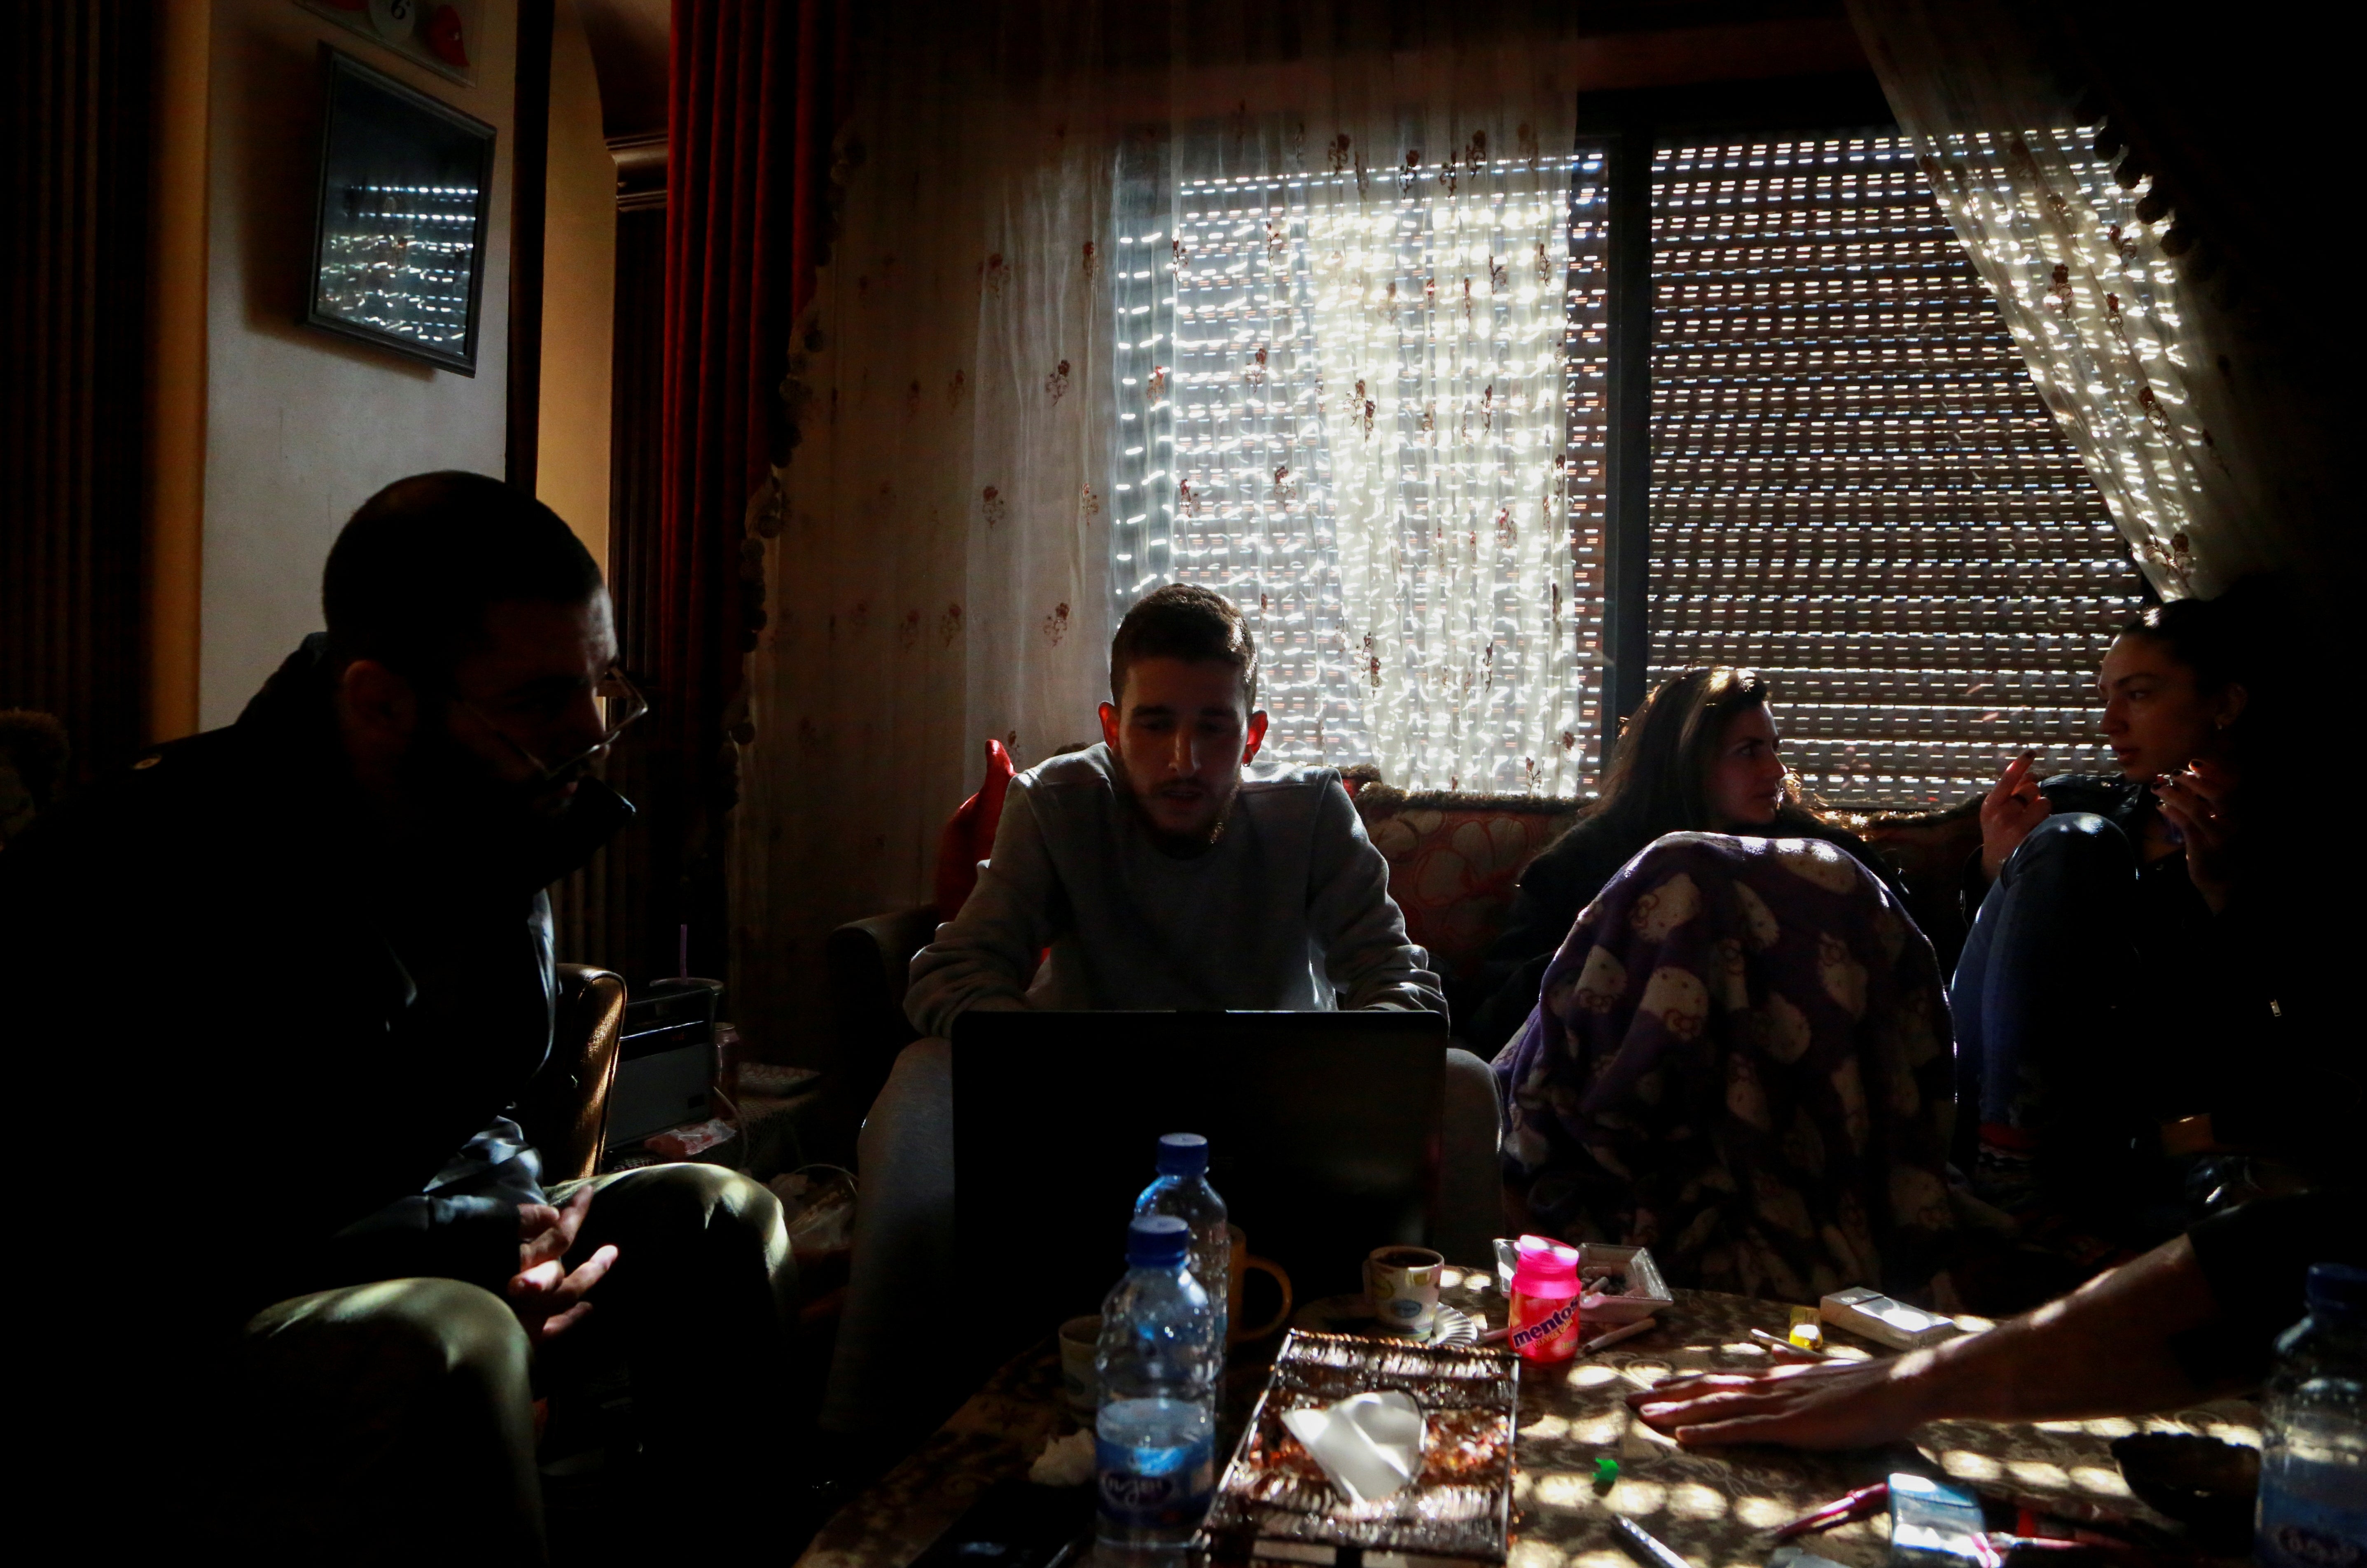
621, 703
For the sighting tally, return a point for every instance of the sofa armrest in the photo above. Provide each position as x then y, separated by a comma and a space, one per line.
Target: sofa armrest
564, 1111
869, 964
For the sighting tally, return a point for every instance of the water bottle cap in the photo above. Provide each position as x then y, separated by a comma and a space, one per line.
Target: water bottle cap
1157, 1241
1183, 1154
2338, 1289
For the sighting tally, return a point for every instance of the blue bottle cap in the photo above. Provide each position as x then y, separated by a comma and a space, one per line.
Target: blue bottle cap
1157, 1241
2338, 1290
1183, 1154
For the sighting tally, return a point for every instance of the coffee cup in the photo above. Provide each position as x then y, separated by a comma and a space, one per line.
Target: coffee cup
1080, 1384
1242, 1264
1401, 1284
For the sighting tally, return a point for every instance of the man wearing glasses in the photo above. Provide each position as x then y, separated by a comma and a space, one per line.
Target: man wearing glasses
319, 1259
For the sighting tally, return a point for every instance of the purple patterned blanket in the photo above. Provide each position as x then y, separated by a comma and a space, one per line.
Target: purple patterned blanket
1740, 1058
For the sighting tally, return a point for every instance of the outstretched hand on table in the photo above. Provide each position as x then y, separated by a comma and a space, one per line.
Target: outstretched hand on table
1829, 1404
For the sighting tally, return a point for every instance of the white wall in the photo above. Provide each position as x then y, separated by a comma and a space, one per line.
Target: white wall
302, 426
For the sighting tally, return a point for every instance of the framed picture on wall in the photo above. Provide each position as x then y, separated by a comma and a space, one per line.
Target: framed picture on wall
399, 242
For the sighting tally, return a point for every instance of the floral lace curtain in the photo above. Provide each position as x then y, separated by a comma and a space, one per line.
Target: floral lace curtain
1357, 415
2091, 297
938, 557
1359, 422
936, 560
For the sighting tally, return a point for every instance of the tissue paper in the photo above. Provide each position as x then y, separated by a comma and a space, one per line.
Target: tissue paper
1369, 1444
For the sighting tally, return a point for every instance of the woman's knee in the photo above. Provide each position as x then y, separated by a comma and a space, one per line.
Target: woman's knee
2075, 838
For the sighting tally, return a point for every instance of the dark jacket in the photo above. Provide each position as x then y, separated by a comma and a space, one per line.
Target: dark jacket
2244, 1013
294, 1036
1554, 887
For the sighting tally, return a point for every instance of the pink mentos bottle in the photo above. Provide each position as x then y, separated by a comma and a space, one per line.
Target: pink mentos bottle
1545, 1300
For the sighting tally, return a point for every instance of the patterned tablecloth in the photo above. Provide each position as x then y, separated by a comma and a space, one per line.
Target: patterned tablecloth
1714, 1508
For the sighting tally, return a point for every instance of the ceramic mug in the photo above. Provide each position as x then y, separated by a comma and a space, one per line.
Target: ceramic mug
1402, 1284
1242, 1263
1080, 1384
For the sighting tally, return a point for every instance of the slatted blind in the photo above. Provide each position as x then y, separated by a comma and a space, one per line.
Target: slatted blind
1854, 488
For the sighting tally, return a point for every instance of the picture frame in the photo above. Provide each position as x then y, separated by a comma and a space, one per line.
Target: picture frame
401, 215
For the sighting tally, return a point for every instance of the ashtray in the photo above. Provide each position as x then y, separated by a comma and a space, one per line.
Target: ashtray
1638, 1293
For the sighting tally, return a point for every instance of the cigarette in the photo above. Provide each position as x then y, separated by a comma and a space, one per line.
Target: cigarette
1781, 1344
1616, 1335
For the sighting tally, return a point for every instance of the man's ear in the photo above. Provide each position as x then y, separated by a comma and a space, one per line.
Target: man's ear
1257, 735
1109, 726
378, 708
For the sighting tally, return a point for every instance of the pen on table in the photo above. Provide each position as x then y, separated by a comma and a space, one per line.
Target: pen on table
1863, 1503
1644, 1544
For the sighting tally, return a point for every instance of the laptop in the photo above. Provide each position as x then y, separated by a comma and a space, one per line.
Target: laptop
1322, 1129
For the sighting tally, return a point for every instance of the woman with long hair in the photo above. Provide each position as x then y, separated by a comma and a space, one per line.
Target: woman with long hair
1737, 1051
2134, 982
1701, 755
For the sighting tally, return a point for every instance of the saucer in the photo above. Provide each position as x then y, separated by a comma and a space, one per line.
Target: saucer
1353, 1314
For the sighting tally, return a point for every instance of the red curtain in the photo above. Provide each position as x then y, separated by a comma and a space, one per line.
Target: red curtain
757, 92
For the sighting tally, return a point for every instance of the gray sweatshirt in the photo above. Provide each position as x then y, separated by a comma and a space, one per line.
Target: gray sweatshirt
1290, 909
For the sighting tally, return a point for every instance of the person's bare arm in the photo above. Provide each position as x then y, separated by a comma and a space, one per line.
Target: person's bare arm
2105, 1349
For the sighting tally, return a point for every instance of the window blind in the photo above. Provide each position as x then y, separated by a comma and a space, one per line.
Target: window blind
1854, 488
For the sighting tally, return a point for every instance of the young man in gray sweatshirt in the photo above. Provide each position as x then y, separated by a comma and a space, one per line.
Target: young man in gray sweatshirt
1157, 875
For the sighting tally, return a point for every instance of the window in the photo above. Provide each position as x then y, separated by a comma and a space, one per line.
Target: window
1854, 488
1378, 411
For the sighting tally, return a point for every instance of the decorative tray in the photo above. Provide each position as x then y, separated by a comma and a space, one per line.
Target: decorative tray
1276, 1503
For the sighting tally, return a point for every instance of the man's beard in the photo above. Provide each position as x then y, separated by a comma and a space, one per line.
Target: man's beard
465, 805
1183, 846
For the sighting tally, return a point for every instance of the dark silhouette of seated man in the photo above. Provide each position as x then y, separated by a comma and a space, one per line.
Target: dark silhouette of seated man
307, 959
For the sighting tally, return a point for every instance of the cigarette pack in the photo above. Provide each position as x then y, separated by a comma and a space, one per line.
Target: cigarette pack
1885, 1320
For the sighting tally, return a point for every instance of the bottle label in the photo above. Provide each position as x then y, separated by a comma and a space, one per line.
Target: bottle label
2296, 1530
1545, 1328
1154, 1488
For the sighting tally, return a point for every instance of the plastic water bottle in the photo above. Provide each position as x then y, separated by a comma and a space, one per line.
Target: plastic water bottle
2313, 1507
1183, 1191
1155, 1437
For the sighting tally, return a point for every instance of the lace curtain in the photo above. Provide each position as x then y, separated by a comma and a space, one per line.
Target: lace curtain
2095, 303
1346, 346
935, 562
939, 554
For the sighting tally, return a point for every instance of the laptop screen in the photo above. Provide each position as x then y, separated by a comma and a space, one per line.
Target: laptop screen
1322, 1129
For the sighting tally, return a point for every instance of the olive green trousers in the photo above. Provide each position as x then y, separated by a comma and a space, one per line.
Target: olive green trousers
393, 1422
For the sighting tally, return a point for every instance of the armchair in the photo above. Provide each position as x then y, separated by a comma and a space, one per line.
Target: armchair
564, 1110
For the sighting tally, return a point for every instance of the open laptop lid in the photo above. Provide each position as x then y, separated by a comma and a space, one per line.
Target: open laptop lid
1322, 1128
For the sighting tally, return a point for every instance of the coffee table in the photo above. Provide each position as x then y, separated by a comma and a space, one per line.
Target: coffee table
1714, 1506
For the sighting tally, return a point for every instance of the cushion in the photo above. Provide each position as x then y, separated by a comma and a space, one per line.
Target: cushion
969, 837
1455, 861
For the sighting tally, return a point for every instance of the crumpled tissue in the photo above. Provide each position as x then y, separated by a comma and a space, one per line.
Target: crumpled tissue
1065, 1461
1369, 1444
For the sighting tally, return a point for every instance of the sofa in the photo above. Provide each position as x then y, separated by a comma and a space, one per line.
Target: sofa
1453, 860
